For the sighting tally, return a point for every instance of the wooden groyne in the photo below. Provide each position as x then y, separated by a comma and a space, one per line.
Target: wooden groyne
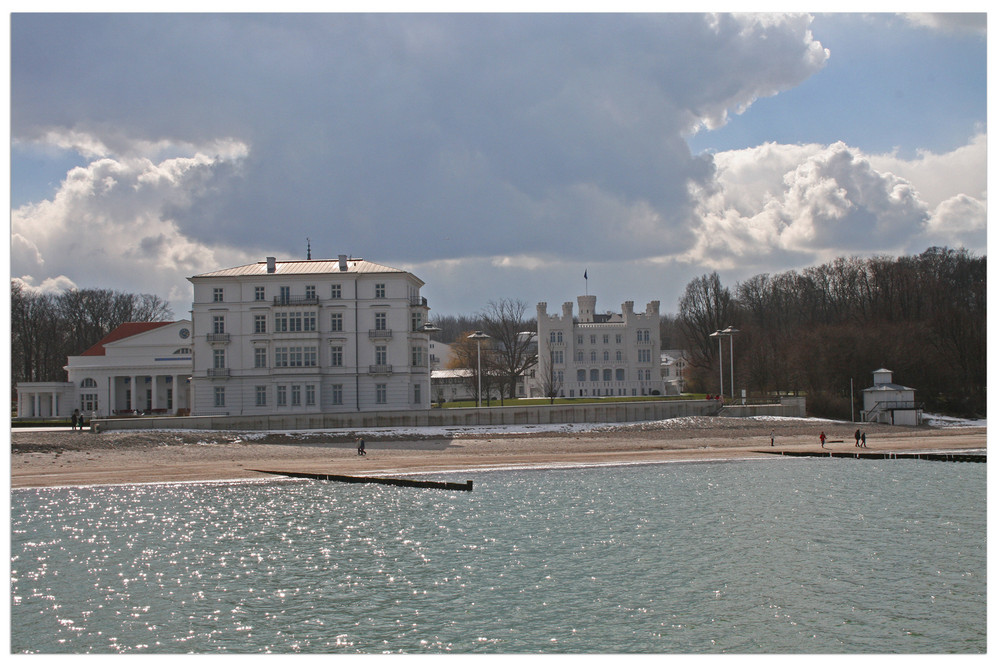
391, 481
924, 456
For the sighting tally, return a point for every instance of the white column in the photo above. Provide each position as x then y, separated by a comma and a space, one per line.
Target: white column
153, 401
55, 404
110, 407
36, 404
134, 388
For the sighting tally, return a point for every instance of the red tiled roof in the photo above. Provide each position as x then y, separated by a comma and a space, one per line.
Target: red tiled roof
123, 331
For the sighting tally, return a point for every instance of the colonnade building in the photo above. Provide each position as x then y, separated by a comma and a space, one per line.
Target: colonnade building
599, 354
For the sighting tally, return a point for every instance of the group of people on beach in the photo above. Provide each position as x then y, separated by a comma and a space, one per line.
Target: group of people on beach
860, 439
76, 420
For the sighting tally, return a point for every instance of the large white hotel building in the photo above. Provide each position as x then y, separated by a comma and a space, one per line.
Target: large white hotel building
274, 337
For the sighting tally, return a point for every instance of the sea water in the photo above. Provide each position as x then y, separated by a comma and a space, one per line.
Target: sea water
816, 556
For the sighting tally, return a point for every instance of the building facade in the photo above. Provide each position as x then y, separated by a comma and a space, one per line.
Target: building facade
612, 354
139, 367
303, 336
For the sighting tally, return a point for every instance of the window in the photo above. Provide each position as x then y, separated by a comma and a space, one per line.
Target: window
593, 339
620, 374
296, 356
581, 375
618, 339
380, 322
218, 358
380, 355
282, 395
336, 321
285, 294
579, 340
310, 394
644, 356
607, 375
579, 355
559, 337
606, 337
218, 324
220, 397
336, 355
296, 395
380, 394
294, 321
258, 293
310, 291
217, 294
261, 391
557, 357
88, 382
416, 320
337, 394
593, 355
88, 402
618, 355
335, 291
260, 357
552, 336
416, 356
260, 324
594, 375
379, 290
607, 355
416, 393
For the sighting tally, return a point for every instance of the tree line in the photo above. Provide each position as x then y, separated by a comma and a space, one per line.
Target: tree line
47, 328
820, 329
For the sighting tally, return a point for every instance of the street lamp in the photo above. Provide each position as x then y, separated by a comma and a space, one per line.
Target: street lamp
479, 337
730, 332
719, 334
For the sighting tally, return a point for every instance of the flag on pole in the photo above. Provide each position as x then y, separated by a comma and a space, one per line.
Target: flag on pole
585, 274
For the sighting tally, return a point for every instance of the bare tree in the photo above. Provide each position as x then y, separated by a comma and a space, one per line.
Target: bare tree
514, 347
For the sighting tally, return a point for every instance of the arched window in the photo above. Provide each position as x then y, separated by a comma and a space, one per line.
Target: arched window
581, 375
183, 350
88, 383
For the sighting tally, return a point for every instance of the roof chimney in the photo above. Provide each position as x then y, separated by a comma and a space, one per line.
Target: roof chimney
343, 262
270, 264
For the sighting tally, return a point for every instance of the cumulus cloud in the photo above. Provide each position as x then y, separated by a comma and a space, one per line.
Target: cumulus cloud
950, 22
110, 222
809, 203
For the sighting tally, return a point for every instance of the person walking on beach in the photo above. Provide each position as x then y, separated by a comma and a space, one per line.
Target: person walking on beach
76, 415
361, 446
863, 443
772, 438
822, 439
857, 438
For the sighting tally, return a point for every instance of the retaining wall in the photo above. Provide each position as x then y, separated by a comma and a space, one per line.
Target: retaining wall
612, 412
790, 407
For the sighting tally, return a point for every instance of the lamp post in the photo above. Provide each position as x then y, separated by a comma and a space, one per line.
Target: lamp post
479, 336
719, 334
730, 332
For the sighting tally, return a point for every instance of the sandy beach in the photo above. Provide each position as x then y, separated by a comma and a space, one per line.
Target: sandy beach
63, 457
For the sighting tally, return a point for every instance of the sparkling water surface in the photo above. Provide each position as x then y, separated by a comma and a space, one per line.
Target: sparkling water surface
803, 556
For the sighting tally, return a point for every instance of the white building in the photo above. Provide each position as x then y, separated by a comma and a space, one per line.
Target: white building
613, 354
154, 357
890, 403
672, 366
302, 336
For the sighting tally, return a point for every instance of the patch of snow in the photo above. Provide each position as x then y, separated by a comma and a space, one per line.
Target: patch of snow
943, 421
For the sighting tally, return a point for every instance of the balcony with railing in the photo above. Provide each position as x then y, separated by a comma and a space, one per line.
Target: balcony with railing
380, 369
379, 333
217, 372
218, 337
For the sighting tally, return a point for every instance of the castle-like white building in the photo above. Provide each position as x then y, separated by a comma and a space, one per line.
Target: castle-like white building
610, 354
275, 337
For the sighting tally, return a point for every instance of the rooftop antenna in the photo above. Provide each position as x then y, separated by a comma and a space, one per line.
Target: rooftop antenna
309, 253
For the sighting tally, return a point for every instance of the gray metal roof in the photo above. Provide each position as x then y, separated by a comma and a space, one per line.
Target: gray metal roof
300, 267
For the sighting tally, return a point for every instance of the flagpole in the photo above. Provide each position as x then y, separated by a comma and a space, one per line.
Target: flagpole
586, 284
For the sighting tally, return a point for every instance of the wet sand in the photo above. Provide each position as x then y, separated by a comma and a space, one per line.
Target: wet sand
63, 458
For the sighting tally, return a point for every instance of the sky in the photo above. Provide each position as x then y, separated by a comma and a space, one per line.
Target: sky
493, 155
